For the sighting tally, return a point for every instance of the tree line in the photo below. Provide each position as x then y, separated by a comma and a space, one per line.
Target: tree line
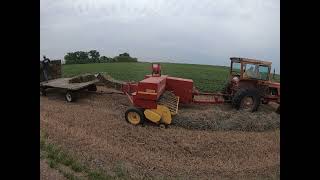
93, 56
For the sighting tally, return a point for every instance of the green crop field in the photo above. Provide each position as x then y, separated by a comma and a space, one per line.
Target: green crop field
206, 77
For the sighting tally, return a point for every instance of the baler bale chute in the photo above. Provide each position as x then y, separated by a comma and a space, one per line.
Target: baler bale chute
157, 97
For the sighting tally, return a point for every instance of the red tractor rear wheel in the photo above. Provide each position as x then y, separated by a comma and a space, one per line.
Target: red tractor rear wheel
246, 99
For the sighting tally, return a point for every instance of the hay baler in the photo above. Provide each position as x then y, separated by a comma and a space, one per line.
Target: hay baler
157, 97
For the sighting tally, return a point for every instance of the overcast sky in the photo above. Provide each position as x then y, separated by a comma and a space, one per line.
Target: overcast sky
186, 31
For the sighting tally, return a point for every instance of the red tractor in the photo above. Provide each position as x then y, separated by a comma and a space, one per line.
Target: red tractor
250, 84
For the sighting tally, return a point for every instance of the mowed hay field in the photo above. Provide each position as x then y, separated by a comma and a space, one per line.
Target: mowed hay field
206, 77
90, 139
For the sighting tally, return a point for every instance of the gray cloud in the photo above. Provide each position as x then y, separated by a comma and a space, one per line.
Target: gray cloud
204, 32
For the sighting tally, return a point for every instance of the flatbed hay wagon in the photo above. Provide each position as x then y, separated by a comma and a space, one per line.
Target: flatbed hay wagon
71, 86
71, 89
157, 97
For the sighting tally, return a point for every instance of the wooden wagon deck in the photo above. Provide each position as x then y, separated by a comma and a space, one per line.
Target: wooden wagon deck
63, 83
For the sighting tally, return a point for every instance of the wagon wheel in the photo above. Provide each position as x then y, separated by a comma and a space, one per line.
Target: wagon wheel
134, 116
70, 96
43, 91
246, 99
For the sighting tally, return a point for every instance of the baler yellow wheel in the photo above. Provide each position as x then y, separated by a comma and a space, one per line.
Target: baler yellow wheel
134, 116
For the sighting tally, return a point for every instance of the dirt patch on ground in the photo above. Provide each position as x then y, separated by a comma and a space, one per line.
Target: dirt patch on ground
94, 129
47, 173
